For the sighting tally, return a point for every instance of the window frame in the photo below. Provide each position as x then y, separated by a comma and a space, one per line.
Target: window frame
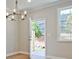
58, 25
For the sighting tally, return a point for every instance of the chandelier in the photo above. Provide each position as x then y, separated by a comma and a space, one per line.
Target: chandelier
15, 13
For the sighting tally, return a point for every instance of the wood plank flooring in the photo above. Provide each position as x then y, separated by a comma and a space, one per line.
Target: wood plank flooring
18, 56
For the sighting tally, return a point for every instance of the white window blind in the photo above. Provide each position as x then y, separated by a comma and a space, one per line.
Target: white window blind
65, 23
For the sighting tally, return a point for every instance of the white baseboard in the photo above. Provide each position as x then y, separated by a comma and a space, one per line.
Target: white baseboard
55, 57
26, 53
11, 54
19, 52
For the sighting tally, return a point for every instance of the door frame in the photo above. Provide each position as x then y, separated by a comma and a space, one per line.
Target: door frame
30, 19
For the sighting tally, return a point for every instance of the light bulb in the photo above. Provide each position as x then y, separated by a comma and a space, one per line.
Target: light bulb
14, 10
29, 0
12, 17
25, 12
7, 14
22, 16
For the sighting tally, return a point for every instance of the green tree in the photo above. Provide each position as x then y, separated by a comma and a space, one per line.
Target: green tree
69, 24
37, 29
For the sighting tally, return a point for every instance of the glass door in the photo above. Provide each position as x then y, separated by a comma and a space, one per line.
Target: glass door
37, 39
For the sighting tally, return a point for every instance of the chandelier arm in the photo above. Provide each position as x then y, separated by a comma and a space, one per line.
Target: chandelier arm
16, 13
16, 4
8, 15
13, 14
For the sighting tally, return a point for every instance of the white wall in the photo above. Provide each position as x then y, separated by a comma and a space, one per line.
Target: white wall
54, 48
18, 33
11, 36
23, 36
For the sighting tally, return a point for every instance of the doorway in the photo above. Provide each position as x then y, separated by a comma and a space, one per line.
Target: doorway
38, 39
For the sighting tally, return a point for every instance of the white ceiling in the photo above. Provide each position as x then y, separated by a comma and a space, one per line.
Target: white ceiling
23, 4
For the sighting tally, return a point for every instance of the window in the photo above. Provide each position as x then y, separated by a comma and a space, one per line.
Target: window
65, 24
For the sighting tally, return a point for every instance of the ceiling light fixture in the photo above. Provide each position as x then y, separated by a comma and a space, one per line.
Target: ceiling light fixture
29, 0
15, 13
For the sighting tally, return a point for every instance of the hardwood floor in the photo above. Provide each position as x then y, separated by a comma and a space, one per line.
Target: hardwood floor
18, 56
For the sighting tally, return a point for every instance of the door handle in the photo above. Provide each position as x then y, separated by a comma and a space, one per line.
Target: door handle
29, 39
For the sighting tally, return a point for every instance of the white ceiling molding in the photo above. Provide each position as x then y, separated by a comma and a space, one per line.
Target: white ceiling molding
23, 5
27, 4
47, 5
